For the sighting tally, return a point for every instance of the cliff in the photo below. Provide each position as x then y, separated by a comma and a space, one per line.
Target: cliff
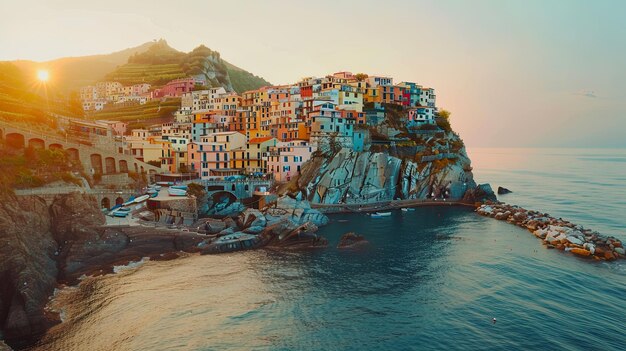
47, 244
434, 169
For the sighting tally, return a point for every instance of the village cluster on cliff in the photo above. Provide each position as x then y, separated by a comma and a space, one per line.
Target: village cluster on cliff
274, 129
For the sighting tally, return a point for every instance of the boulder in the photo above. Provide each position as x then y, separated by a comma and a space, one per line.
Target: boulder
502, 191
581, 252
609, 256
253, 229
352, 241
574, 240
620, 250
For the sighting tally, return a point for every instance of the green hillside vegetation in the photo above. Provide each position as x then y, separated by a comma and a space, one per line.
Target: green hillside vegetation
154, 74
28, 168
140, 115
243, 80
161, 63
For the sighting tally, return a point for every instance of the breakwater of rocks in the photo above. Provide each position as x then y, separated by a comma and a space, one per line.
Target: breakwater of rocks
557, 233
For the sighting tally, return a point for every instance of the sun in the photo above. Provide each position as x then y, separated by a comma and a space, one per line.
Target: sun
43, 75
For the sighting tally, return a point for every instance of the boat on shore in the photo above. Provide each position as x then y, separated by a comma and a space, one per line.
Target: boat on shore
180, 187
142, 198
177, 192
120, 214
380, 214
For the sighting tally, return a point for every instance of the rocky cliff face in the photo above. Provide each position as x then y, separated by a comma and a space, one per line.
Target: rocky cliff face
27, 265
44, 244
352, 177
33, 236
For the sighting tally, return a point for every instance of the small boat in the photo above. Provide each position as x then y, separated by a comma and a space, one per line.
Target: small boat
152, 191
407, 209
234, 242
380, 214
154, 195
177, 192
180, 187
129, 202
165, 183
141, 198
123, 209
121, 214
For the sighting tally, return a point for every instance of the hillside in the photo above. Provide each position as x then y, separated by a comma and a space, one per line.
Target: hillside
161, 63
71, 73
24, 100
140, 116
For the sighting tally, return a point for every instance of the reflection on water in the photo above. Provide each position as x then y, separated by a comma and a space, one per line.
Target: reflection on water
433, 279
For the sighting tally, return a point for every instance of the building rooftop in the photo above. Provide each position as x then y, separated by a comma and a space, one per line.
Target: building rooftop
260, 140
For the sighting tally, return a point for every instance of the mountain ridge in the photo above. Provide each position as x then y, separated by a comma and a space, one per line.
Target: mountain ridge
71, 73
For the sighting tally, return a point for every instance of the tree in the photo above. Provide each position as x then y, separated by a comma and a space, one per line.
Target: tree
444, 114
75, 105
443, 120
361, 76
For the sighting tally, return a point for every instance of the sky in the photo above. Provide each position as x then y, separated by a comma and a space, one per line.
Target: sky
534, 73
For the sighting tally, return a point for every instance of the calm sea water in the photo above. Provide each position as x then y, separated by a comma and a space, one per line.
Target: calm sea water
433, 279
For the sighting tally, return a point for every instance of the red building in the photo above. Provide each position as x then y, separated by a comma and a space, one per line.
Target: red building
176, 87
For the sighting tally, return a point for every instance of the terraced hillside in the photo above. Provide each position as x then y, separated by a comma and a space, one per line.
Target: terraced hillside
139, 116
161, 63
133, 73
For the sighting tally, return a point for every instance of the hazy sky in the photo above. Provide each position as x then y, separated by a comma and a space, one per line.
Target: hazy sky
513, 73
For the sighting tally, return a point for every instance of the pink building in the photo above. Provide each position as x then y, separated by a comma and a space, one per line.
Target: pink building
176, 87
194, 158
286, 159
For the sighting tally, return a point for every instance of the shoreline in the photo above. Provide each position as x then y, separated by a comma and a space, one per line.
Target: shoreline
386, 205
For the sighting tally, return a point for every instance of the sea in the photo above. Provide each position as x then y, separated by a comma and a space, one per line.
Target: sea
437, 278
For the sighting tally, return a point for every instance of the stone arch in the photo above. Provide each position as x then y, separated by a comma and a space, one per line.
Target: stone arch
141, 169
37, 143
55, 147
105, 203
15, 140
247, 187
109, 165
119, 201
1, 134
72, 153
123, 166
96, 163
136, 168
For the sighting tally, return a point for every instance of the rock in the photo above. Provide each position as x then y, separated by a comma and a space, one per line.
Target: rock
253, 229
501, 216
574, 240
214, 226
591, 247
581, 252
4, 347
226, 231
502, 191
609, 256
620, 250
352, 241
